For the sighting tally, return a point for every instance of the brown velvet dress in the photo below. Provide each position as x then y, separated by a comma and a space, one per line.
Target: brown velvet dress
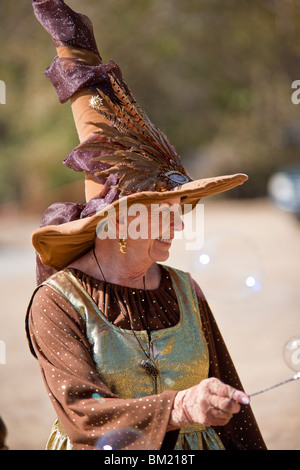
57, 336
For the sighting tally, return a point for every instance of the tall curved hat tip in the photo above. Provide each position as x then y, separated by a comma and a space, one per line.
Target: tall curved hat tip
121, 153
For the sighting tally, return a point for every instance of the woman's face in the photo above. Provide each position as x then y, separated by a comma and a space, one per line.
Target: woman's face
151, 231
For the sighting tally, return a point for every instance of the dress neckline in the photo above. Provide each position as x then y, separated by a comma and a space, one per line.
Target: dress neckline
155, 333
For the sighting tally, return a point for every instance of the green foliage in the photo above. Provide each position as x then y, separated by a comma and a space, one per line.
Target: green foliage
215, 75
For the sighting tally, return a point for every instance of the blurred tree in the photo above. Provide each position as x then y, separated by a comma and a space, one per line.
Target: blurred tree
215, 75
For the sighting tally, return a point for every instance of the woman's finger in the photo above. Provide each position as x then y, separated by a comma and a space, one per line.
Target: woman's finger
221, 414
218, 417
225, 404
240, 397
216, 387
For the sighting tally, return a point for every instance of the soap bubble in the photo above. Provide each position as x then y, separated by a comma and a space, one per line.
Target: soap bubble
291, 353
170, 383
118, 439
204, 259
98, 397
228, 267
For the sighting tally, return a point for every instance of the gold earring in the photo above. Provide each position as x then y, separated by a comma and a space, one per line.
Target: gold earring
123, 245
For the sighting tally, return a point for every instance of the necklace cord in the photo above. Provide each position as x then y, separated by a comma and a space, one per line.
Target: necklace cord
125, 316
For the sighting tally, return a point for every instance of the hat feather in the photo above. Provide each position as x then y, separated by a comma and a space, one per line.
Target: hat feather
137, 151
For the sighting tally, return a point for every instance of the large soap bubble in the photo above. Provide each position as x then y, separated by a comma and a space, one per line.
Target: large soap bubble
229, 266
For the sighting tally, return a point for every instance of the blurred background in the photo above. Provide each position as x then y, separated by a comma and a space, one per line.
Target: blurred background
220, 79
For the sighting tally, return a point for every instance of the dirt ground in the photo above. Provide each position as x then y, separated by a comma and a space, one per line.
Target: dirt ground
252, 240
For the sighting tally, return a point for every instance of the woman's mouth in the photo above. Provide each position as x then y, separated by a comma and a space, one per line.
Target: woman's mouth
165, 240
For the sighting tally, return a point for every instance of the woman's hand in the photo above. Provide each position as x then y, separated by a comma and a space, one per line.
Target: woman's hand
210, 403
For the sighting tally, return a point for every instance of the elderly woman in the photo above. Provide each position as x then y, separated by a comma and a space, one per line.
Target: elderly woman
129, 351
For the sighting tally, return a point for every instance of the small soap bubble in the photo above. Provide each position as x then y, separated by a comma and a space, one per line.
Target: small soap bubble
107, 447
169, 382
204, 259
291, 353
118, 439
98, 397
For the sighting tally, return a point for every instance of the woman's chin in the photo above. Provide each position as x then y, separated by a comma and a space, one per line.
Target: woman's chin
161, 249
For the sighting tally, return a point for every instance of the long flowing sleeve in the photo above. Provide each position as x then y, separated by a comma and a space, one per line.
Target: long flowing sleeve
87, 410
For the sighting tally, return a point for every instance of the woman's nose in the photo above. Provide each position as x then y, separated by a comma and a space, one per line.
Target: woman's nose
178, 222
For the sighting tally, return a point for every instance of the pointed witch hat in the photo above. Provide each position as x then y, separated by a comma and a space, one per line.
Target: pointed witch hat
125, 158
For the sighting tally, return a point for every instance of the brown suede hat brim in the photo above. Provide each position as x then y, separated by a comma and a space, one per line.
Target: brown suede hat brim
59, 245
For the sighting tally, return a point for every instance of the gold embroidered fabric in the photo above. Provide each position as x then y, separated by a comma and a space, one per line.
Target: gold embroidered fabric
180, 353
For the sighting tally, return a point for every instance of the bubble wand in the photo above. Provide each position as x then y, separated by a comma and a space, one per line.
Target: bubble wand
296, 377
